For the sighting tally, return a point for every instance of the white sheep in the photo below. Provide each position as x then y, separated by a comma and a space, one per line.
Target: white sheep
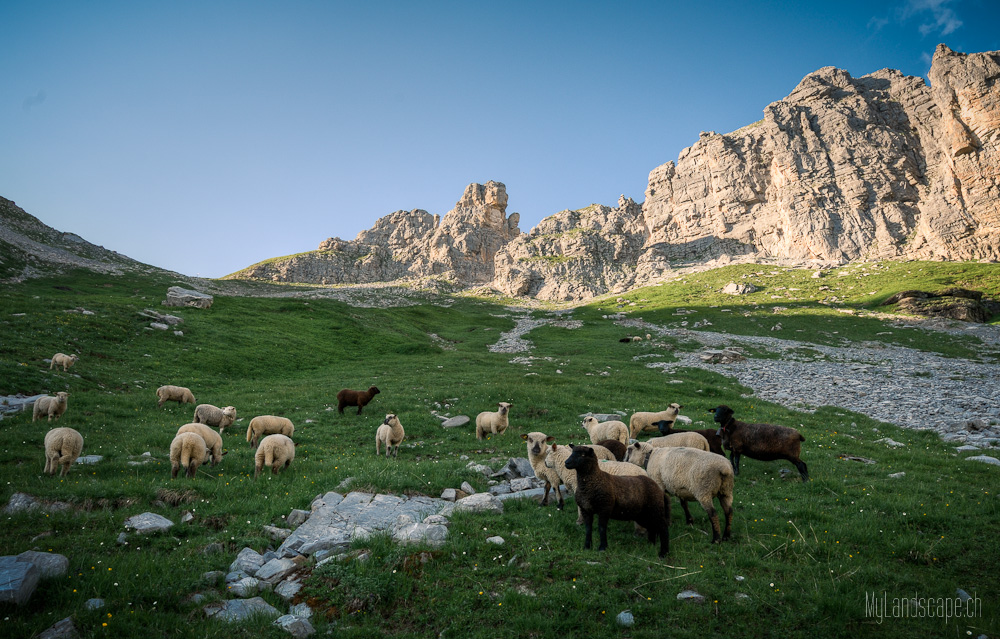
62, 447
492, 422
50, 406
170, 393
611, 429
212, 439
214, 416
275, 451
640, 422
690, 474
538, 451
688, 438
190, 451
61, 359
268, 425
390, 432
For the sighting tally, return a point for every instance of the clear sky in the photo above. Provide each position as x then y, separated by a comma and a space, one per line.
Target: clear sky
205, 136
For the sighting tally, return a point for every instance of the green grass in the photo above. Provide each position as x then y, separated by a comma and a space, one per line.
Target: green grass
823, 545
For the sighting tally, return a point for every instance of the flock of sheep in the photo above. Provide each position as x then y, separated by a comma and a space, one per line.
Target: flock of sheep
615, 477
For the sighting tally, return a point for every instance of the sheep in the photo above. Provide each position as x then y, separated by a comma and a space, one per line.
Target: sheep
641, 422
170, 393
390, 433
628, 498
764, 442
492, 422
689, 439
556, 460
276, 451
61, 359
615, 447
690, 474
212, 439
190, 451
348, 397
538, 451
50, 406
214, 416
62, 447
611, 429
714, 441
268, 425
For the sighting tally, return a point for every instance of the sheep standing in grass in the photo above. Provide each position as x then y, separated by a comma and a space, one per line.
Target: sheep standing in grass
390, 432
348, 397
170, 393
214, 416
710, 434
628, 498
61, 359
538, 450
599, 431
764, 442
190, 451
268, 425
641, 422
690, 474
556, 460
275, 451
492, 422
50, 406
689, 439
212, 439
62, 447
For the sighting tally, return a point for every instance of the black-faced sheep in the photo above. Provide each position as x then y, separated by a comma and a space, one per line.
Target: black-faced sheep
611, 429
275, 451
690, 474
492, 422
556, 460
61, 359
348, 397
268, 425
62, 447
629, 498
190, 451
764, 442
640, 422
212, 439
214, 416
50, 406
710, 434
170, 393
390, 433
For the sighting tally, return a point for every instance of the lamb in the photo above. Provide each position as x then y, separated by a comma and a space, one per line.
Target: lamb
348, 397
390, 433
276, 451
61, 359
62, 447
268, 425
611, 429
212, 439
615, 447
50, 406
538, 451
689, 439
214, 416
641, 422
628, 498
764, 442
492, 422
690, 474
190, 451
714, 441
170, 393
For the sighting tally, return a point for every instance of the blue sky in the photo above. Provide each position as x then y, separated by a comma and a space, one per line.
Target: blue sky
205, 136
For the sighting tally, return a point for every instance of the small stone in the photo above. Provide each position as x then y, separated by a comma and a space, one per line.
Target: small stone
62, 629
966, 449
186, 517
986, 459
212, 576
249, 561
122, 539
49, 564
467, 488
297, 518
691, 596
449, 494
625, 619
89, 459
964, 596
245, 587
93, 604
160, 326
147, 523
18, 580
888, 441
301, 610
454, 422
277, 534
276, 570
213, 548
294, 625
240, 609
898, 475
498, 540
287, 589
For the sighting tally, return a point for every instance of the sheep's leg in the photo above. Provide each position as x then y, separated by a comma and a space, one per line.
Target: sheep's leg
588, 520
65, 468
359, 408
727, 511
801, 465
545, 495
665, 527
602, 527
735, 459
256, 470
688, 519
713, 517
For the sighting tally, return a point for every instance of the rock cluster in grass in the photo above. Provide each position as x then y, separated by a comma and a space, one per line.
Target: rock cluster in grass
20, 574
177, 296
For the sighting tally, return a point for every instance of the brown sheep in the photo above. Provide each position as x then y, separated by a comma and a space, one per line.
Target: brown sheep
616, 447
765, 442
348, 397
666, 427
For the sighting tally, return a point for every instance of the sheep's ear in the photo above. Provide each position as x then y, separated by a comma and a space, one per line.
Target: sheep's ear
225, 452
524, 437
550, 439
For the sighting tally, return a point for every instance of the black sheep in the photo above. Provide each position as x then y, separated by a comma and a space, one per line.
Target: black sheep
765, 442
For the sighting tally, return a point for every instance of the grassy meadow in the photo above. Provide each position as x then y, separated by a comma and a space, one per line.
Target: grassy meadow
803, 559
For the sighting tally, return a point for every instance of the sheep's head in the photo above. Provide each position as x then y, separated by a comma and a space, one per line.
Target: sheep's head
504, 407
723, 414
580, 456
589, 421
637, 453
229, 411
372, 390
61, 396
537, 442
664, 426
677, 407
390, 420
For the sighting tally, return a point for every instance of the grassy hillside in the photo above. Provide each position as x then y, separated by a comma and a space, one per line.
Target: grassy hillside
807, 553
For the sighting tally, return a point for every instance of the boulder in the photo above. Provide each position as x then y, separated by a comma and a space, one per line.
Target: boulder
18, 580
177, 296
147, 523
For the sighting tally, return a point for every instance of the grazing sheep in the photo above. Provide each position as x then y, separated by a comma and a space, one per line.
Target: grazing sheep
62, 447
268, 425
689, 439
764, 442
61, 359
190, 451
214, 416
212, 439
492, 422
50, 406
628, 498
615, 447
276, 451
600, 431
348, 397
390, 433
714, 441
170, 393
641, 422
690, 474
538, 451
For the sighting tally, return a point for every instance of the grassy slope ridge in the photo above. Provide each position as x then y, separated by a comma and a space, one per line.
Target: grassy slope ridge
808, 553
